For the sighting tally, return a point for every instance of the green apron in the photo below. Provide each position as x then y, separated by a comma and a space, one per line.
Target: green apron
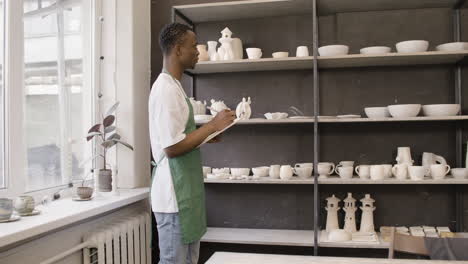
187, 178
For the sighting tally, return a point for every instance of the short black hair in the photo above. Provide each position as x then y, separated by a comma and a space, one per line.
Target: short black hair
170, 35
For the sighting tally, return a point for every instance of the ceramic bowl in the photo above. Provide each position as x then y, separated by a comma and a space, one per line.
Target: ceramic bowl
240, 171
254, 53
200, 118
6, 208
410, 46
339, 235
453, 46
375, 50
261, 171
459, 173
441, 109
404, 110
377, 112
277, 115
84, 192
24, 204
280, 54
333, 50
221, 171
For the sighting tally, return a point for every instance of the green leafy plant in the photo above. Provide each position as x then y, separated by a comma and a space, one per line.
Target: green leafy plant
107, 133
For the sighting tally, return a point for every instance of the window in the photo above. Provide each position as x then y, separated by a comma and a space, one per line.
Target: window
57, 91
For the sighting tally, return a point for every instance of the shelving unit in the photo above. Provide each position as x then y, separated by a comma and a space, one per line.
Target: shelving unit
257, 121
250, 9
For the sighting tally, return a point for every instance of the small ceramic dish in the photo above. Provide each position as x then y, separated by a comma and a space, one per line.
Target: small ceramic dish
35, 212
13, 217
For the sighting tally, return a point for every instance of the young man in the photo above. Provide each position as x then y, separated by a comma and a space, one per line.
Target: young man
177, 192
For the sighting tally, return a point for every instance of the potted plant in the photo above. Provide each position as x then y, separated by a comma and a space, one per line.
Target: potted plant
83, 191
106, 137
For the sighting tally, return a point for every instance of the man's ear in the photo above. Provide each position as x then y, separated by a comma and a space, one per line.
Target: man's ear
177, 49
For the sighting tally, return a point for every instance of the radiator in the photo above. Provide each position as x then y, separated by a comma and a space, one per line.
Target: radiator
124, 241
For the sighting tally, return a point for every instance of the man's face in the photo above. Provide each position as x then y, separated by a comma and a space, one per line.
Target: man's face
188, 53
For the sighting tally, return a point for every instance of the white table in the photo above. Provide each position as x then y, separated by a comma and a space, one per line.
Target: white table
248, 258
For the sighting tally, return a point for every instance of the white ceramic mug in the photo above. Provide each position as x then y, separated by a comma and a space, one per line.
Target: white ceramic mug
302, 165
254, 53
24, 204
275, 171
325, 168
302, 51
377, 172
286, 172
387, 170
363, 171
439, 171
345, 172
206, 170
400, 171
303, 172
416, 173
459, 173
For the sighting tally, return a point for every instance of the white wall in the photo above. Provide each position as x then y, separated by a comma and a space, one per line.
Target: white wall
57, 242
132, 84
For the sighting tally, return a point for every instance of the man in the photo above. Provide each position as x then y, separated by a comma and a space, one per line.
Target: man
177, 192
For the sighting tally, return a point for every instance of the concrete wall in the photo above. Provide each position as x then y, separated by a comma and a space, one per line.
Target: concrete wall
342, 91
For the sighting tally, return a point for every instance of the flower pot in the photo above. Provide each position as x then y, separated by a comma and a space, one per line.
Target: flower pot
105, 180
84, 192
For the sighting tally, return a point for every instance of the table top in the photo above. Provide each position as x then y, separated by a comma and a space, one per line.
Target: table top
248, 258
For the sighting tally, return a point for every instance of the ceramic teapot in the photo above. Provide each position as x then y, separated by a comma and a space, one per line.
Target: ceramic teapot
217, 106
199, 108
243, 110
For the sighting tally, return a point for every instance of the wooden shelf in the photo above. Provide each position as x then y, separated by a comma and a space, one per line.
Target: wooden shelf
258, 121
236, 10
328, 7
275, 237
391, 59
247, 65
334, 179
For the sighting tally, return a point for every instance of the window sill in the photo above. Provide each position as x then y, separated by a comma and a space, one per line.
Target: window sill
58, 214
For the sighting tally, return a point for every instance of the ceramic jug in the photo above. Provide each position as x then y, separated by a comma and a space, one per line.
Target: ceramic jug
237, 48
404, 156
203, 53
217, 106
429, 159
243, 110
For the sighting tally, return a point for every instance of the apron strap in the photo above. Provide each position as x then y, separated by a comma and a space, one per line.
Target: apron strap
156, 165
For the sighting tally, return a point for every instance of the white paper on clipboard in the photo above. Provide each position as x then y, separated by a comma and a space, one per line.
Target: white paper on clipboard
210, 137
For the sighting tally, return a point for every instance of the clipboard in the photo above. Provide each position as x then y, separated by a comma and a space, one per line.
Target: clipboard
210, 137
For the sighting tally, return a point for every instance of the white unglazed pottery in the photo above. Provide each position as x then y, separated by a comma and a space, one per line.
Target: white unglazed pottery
411, 46
243, 110
441, 109
333, 50
375, 50
439, 171
280, 54
363, 171
286, 172
377, 112
453, 46
404, 110
302, 51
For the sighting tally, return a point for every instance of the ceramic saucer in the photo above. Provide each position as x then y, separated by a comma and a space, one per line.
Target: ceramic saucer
77, 198
14, 217
35, 212
349, 116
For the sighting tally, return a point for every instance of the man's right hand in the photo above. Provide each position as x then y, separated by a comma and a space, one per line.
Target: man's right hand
222, 120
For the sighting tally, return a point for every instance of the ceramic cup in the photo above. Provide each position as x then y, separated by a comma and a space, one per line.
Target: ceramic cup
325, 168
377, 172
303, 172
24, 204
286, 172
400, 171
237, 172
416, 173
363, 171
275, 171
261, 171
254, 53
345, 172
6, 208
460, 173
302, 165
206, 170
387, 170
302, 51
438, 171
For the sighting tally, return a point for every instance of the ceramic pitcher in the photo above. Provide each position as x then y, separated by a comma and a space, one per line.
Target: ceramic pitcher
429, 159
404, 156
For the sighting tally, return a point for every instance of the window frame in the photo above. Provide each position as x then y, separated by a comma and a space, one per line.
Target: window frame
15, 145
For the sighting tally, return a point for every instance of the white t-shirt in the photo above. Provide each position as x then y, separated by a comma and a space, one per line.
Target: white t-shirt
168, 116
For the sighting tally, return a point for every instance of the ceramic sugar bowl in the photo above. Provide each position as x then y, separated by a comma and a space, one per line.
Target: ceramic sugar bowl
243, 110
217, 106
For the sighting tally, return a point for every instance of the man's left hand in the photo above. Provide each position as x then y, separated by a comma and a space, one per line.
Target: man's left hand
216, 139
